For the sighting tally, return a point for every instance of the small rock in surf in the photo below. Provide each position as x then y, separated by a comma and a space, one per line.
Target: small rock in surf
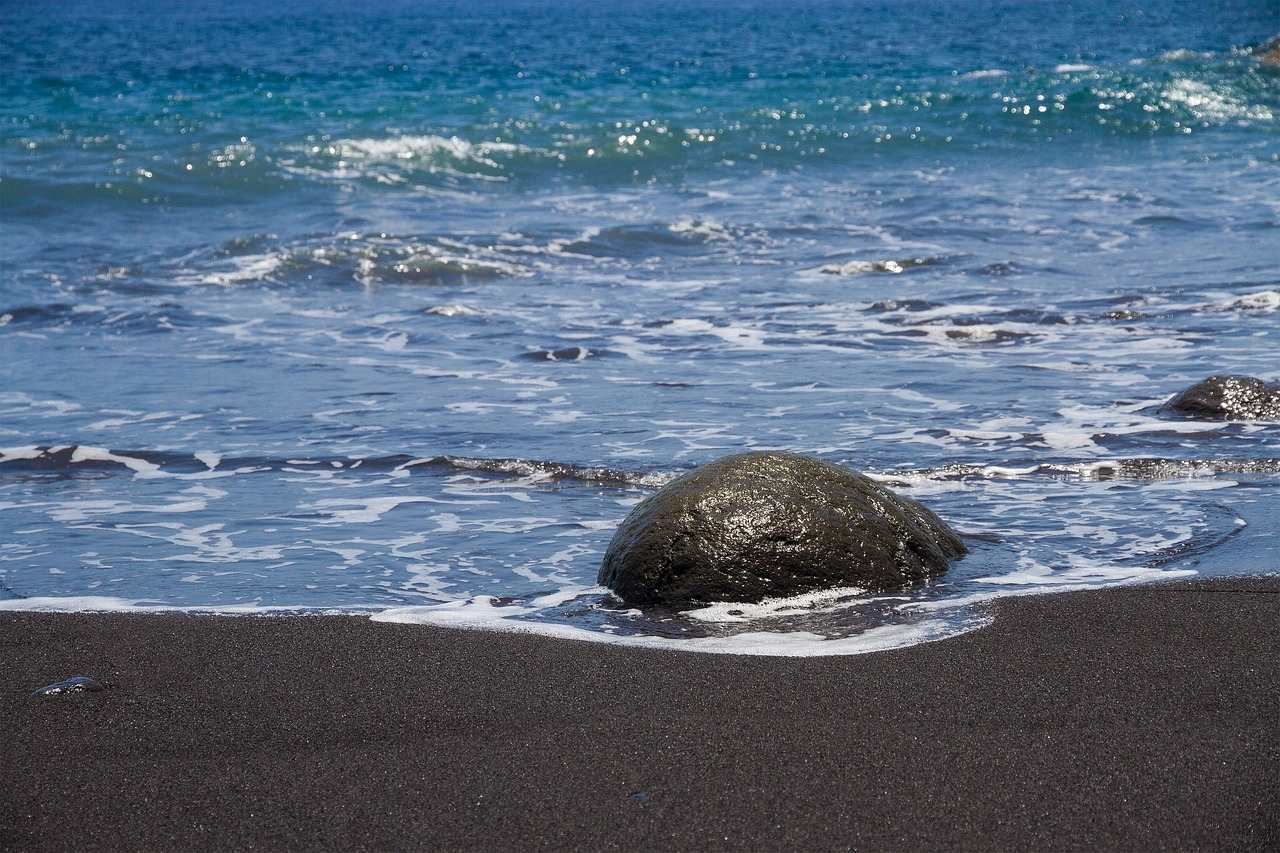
768, 524
1235, 398
566, 354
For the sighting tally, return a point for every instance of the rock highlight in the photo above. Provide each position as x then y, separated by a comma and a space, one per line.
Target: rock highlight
769, 524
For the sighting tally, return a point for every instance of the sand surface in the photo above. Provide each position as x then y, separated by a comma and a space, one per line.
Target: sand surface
1131, 718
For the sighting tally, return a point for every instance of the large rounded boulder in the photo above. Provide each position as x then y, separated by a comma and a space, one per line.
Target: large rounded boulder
763, 525
1234, 398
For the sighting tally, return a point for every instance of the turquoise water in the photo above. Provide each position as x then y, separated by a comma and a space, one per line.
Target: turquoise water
399, 309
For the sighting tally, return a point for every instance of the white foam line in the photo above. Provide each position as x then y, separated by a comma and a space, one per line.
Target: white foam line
141, 467
733, 611
111, 604
1043, 589
13, 454
209, 458
368, 510
480, 613
762, 643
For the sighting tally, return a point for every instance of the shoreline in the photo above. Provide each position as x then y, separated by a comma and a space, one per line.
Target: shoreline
1137, 717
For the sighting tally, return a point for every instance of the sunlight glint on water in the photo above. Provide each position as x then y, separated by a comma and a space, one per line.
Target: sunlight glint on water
382, 311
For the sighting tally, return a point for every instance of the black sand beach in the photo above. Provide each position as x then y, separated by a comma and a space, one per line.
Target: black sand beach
1139, 717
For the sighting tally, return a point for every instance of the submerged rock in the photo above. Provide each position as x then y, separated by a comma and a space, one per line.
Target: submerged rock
1268, 53
1237, 398
766, 524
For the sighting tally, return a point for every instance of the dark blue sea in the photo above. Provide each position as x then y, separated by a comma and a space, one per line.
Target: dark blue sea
398, 308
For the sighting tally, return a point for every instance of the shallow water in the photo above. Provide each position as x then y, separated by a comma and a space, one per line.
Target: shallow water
400, 311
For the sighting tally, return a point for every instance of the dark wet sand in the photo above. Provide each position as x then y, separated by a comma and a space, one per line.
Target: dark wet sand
1133, 718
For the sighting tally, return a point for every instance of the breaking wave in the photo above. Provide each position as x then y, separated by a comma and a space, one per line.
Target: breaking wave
1176, 93
151, 463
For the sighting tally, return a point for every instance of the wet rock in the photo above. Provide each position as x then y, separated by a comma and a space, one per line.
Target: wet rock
1268, 53
767, 524
890, 305
1000, 268
566, 354
1124, 314
74, 684
1236, 398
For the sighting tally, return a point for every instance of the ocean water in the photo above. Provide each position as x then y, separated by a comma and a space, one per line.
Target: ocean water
398, 308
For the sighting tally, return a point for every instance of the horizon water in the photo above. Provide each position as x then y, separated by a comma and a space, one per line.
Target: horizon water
399, 310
